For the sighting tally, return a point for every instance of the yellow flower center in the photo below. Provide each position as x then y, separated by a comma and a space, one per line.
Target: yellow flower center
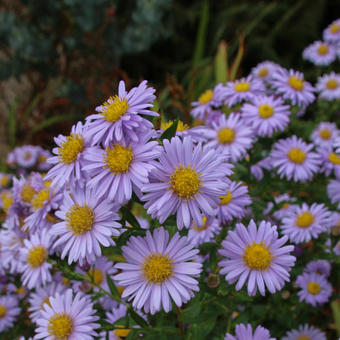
334, 158
3, 311
313, 288
157, 268
285, 206
332, 84
96, 275
47, 301
185, 182
21, 290
60, 326
204, 225
296, 83
4, 181
123, 332
42, 159
180, 126
304, 337
334, 28
27, 156
266, 111
257, 256
325, 134
226, 136
71, 148
323, 49
297, 156
305, 219
263, 72
242, 87
27, 193
206, 97
7, 201
80, 219
226, 198
118, 159
36, 256
40, 199
116, 109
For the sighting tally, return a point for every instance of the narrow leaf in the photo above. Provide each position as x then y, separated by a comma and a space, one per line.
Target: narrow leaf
237, 61
129, 217
137, 318
221, 63
112, 287
170, 131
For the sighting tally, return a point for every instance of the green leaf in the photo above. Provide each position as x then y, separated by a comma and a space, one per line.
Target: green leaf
336, 314
113, 289
12, 123
221, 63
170, 131
53, 120
137, 318
129, 217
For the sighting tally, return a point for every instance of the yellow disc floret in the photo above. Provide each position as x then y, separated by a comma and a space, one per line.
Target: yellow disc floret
335, 28
263, 72
226, 136
122, 333
185, 182
180, 126
27, 193
257, 256
40, 199
305, 219
334, 158
313, 288
80, 219
7, 201
3, 311
60, 326
296, 83
36, 256
115, 108
205, 97
96, 275
266, 111
297, 156
226, 198
204, 226
323, 49
325, 134
332, 84
71, 148
303, 337
5, 181
118, 159
242, 87
157, 268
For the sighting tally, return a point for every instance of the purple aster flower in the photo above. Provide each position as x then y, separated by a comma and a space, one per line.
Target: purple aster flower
88, 221
187, 181
336, 249
42, 295
206, 103
265, 70
121, 168
205, 233
36, 269
67, 317
230, 136
9, 311
315, 289
245, 332
233, 203
292, 86
266, 115
319, 267
332, 32
305, 332
69, 158
44, 155
238, 91
257, 169
333, 191
257, 256
329, 161
156, 267
304, 223
328, 86
26, 156
320, 53
287, 199
294, 159
325, 134
119, 118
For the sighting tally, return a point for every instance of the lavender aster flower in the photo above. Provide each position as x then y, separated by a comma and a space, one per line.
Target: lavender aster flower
156, 267
230, 136
67, 317
294, 159
187, 181
205, 233
292, 86
9, 311
325, 134
305, 332
121, 168
336, 249
119, 119
245, 332
333, 191
332, 32
319, 267
329, 161
257, 256
266, 115
328, 86
320, 53
315, 289
264, 71
206, 102
26, 156
304, 223
257, 169
88, 221
233, 203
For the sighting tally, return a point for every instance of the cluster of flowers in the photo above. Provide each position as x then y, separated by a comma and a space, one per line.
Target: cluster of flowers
61, 228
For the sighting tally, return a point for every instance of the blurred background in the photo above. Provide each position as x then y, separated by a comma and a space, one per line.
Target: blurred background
61, 59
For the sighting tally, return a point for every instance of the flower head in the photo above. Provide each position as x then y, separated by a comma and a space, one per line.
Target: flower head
320, 53
205, 233
305, 332
9, 311
319, 267
325, 134
328, 86
332, 32
245, 332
